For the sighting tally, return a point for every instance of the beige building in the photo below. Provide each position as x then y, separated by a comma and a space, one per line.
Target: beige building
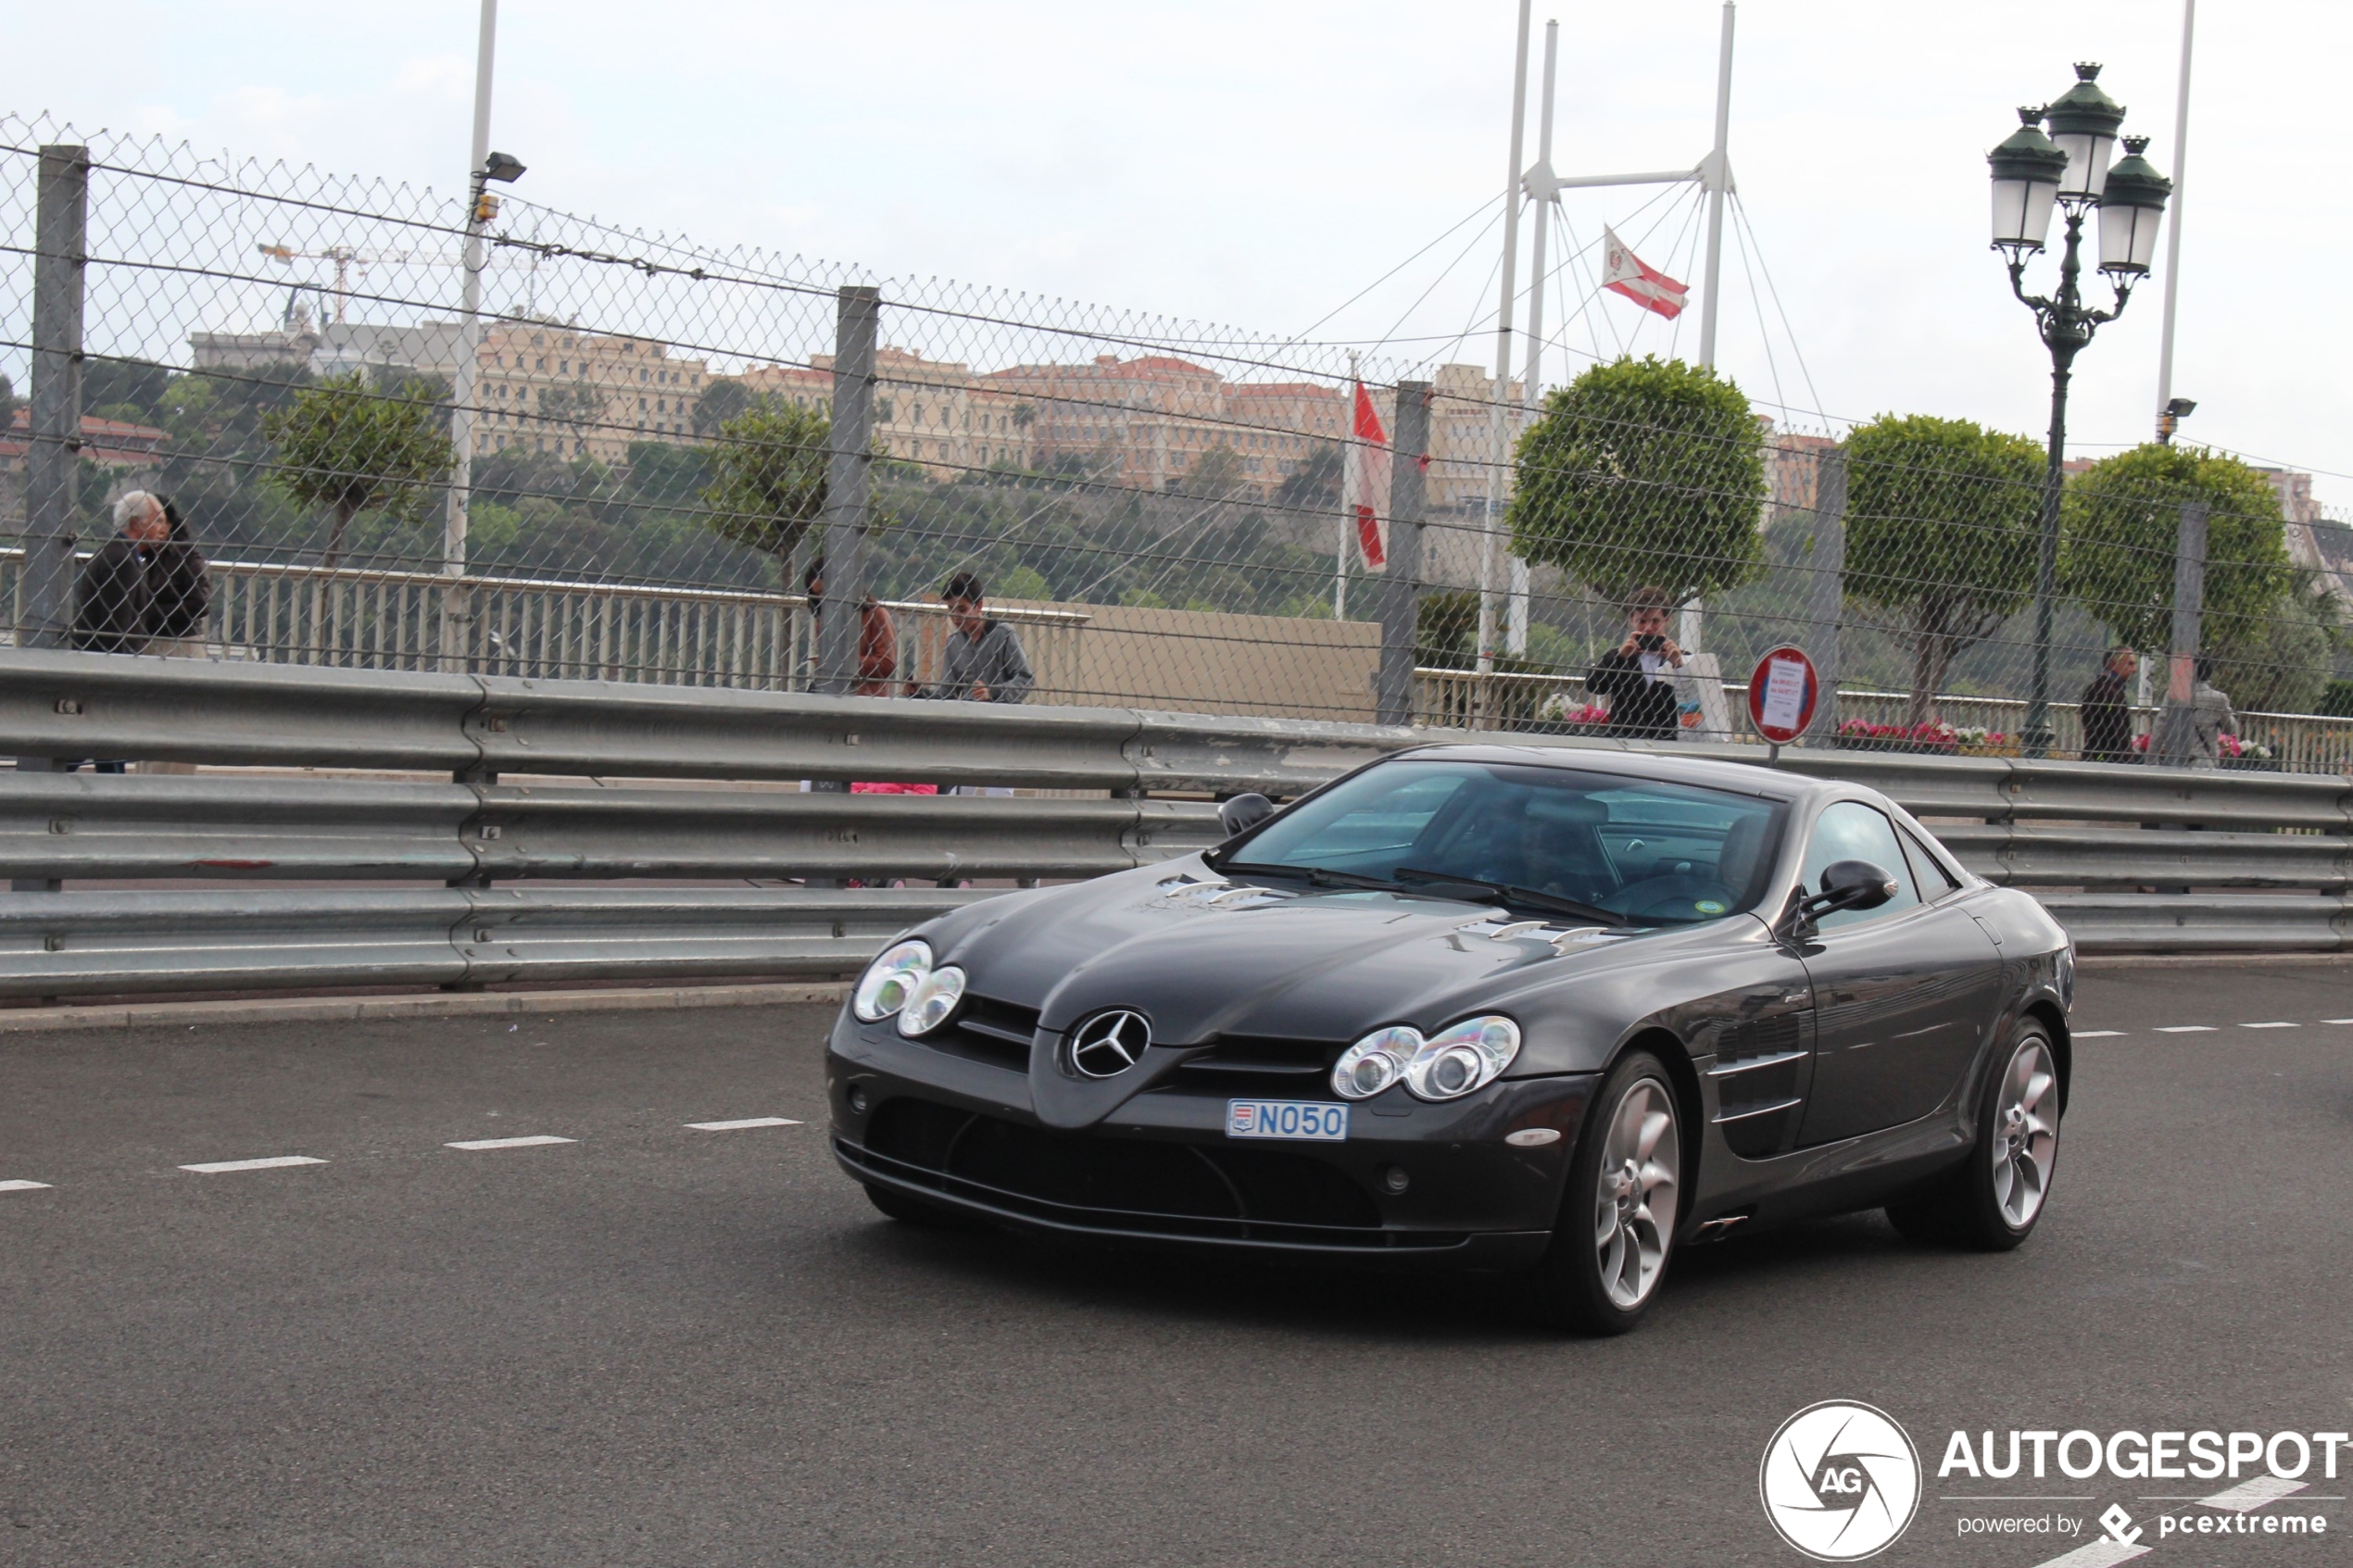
1150, 422
554, 389
934, 412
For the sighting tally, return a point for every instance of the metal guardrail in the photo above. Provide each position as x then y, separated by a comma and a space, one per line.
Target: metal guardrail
487, 841
110, 942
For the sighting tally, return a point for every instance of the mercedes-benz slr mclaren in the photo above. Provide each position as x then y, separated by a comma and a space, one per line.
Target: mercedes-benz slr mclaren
1545, 1014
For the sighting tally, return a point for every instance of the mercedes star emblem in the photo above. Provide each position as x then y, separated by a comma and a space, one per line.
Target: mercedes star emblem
1110, 1043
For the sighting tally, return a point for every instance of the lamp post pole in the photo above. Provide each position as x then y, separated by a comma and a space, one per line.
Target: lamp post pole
2067, 327
2069, 168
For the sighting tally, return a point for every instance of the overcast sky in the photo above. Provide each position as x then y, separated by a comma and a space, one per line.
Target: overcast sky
1261, 163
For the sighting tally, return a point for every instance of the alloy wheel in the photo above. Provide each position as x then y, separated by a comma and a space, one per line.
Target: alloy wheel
2025, 1134
1635, 1198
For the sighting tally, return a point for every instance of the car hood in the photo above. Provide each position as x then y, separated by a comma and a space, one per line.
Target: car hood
1203, 958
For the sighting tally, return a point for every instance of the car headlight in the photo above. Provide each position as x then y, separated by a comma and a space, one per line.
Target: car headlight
1375, 1062
1448, 1065
890, 979
933, 1001
1467, 1056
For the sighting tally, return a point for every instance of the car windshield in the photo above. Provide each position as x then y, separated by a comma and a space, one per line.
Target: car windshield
1651, 852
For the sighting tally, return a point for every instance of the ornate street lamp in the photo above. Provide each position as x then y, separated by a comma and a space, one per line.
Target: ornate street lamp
2069, 168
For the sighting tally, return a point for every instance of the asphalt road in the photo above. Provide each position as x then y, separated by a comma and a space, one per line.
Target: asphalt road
659, 1345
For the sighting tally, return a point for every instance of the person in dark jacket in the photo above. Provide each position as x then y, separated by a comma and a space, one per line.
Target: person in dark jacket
1632, 677
147, 590
985, 659
180, 589
114, 597
2106, 708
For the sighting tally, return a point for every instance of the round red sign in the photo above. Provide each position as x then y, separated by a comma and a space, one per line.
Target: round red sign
1781, 695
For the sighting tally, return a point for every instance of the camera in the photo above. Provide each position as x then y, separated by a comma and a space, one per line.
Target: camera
1650, 642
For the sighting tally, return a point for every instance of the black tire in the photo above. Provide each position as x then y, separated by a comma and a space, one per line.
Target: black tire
1569, 1289
1983, 1203
908, 1210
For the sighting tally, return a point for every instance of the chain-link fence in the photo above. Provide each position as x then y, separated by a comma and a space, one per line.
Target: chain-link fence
627, 464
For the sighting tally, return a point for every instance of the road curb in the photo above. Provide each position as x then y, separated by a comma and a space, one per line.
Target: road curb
473, 1004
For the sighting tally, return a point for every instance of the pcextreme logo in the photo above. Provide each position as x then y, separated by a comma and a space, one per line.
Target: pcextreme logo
1840, 1481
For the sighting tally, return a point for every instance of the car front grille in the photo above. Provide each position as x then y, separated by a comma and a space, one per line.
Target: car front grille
1130, 1184
987, 1030
1249, 1066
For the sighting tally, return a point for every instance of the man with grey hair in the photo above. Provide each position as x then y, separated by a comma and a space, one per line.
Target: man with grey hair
146, 588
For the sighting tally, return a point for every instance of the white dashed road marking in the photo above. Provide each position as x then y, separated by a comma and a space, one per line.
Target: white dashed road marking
741, 1126
2337, 1021
24, 1187
2097, 1034
2245, 1498
2250, 1495
2097, 1554
532, 1142
2271, 1026
276, 1162
2185, 1029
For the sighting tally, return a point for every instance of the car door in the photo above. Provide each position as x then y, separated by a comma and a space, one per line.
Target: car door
1903, 993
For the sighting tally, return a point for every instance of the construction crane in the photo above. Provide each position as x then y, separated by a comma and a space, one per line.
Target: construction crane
348, 259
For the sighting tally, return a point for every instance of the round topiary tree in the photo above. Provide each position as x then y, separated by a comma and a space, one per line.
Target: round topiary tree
1642, 471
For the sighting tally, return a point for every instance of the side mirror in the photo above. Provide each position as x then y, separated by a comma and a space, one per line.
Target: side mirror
1847, 884
1853, 884
1244, 812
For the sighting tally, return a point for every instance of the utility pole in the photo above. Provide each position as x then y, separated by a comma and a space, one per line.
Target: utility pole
1500, 425
1349, 460
2166, 413
457, 602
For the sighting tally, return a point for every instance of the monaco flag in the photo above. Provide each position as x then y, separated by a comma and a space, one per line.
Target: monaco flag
1624, 272
1366, 484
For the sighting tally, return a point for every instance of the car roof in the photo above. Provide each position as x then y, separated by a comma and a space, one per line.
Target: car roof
1746, 778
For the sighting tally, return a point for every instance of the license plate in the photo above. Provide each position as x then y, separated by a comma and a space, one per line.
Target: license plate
1312, 1121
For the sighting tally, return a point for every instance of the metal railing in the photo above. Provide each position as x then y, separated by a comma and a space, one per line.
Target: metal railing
479, 866
2299, 743
370, 617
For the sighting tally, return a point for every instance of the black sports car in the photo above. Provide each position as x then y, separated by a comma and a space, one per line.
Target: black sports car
1544, 1012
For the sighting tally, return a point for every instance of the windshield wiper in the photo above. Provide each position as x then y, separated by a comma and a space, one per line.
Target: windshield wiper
1504, 893
1316, 876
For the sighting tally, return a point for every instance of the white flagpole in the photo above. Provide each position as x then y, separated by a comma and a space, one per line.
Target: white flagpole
1500, 426
1540, 200
1718, 178
2173, 239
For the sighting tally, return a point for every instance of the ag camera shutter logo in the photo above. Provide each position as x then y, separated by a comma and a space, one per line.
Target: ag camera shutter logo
1840, 1481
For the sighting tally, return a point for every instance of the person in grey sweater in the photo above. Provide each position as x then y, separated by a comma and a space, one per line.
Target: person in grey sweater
984, 658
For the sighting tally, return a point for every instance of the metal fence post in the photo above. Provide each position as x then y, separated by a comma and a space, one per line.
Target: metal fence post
1400, 592
53, 456
1828, 605
848, 473
61, 228
2175, 742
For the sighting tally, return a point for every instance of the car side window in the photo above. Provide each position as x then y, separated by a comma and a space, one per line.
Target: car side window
1852, 831
1935, 880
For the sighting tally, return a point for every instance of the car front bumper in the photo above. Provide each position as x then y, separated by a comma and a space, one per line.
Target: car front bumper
1434, 1186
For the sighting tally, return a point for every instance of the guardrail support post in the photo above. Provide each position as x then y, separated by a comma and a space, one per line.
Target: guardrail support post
1828, 605
848, 473
1401, 590
2175, 742
60, 256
